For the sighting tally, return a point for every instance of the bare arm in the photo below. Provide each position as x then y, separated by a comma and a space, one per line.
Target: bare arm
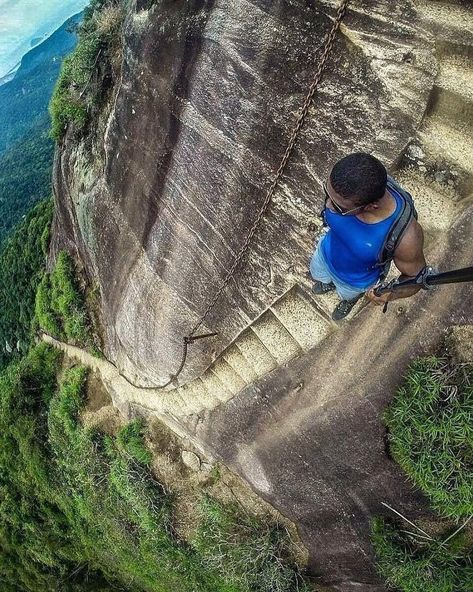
409, 259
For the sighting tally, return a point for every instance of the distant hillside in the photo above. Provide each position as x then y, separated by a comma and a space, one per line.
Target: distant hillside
35, 41
24, 100
26, 150
9, 75
25, 175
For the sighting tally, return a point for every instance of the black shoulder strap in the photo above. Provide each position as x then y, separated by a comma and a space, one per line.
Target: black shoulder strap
322, 212
399, 225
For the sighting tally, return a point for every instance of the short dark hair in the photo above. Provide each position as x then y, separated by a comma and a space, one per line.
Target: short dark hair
359, 177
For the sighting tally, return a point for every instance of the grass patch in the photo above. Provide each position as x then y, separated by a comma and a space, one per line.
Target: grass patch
430, 425
59, 305
22, 265
78, 92
431, 433
81, 511
130, 441
411, 566
247, 551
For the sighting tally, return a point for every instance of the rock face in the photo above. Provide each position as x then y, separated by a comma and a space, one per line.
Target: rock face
159, 199
159, 196
460, 344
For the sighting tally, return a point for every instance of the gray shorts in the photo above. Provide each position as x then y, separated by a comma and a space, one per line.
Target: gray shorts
321, 271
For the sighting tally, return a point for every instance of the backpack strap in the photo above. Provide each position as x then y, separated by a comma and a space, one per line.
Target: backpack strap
398, 227
322, 213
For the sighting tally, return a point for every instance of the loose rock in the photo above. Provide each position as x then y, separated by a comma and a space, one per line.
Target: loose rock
191, 460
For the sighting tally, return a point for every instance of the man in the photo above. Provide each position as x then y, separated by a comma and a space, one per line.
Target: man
360, 211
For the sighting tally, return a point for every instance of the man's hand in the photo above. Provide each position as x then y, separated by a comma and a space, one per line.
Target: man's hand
409, 260
379, 300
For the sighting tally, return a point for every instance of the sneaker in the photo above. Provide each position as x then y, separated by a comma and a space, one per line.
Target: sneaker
343, 308
321, 288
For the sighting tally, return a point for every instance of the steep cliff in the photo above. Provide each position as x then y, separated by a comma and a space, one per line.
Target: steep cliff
159, 195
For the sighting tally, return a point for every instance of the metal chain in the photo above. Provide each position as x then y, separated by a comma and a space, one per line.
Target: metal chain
269, 195
285, 159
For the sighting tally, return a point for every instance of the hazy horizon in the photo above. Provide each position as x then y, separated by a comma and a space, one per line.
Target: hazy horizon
23, 20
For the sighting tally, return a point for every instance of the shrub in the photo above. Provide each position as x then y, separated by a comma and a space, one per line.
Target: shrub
431, 433
130, 441
411, 567
59, 306
74, 96
45, 317
244, 549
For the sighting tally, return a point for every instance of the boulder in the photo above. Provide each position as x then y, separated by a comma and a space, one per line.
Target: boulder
191, 460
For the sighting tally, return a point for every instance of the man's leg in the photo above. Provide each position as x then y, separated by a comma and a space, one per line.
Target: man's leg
347, 292
349, 297
325, 281
320, 273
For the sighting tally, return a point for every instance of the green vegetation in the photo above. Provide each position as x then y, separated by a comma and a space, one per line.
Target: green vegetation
130, 441
60, 309
22, 262
79, 510
25, 176
431, 434
24, 100
411, 566
76, 96
31, 299
243, 549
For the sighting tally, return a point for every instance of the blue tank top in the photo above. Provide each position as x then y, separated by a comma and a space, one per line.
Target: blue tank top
351, 246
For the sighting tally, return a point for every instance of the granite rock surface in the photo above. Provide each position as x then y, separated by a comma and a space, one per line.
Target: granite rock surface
160, 196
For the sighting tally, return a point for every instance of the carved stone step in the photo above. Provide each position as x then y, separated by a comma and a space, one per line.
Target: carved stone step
451, 21
228, 376
453, 93
276, 338
301, 319
255, 353
215, 387
181, 403
196, 396
445, 141
434, 202
240, 364
439, 169
456, 75
326, 302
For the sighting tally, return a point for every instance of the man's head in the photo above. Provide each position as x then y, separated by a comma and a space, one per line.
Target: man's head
358, 180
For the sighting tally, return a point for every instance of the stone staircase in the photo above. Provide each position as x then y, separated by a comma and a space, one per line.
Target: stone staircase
292, 325
437, 169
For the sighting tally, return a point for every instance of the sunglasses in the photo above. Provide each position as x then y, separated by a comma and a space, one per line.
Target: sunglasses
337, 207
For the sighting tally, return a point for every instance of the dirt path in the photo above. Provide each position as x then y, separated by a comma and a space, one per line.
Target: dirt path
130, 400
